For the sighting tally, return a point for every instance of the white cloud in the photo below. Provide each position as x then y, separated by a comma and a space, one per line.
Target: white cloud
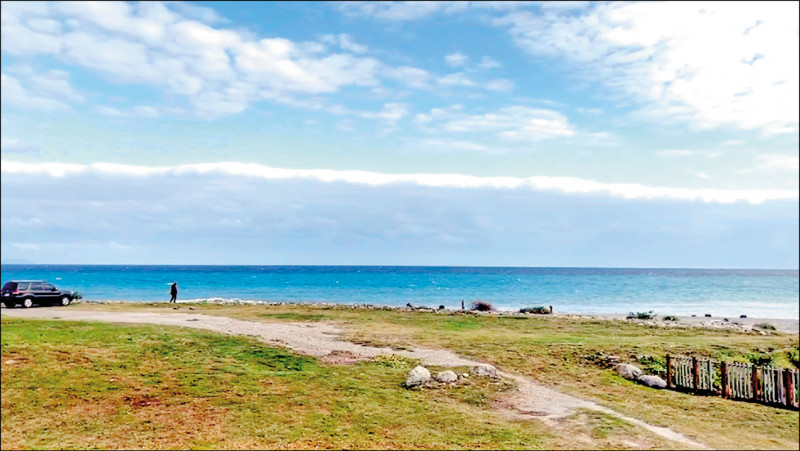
345, 42
779, 163
219, 71
454, 145
391, 112
488, 62
515, 122
455, 59
13, 145
13, 93
413, 77
500, 84
570, 185
457, 79
139, 111
708, 63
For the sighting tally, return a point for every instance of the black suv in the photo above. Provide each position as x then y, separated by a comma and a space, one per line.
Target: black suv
28, 292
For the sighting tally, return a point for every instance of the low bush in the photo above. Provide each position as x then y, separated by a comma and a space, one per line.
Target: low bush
538, 309
641, 315
765, 326
761, 358
794, 356
654, 365
670, 318
482, 306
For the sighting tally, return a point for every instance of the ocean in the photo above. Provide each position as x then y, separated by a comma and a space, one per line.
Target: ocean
720, 292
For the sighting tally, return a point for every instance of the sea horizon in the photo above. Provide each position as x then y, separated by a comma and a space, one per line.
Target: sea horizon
758, 292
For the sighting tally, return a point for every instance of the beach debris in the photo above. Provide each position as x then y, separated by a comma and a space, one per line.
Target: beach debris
418, 376
651, 381
628, 371
447, 376
484, 369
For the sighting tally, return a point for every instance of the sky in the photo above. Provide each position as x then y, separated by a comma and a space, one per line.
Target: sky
622, 134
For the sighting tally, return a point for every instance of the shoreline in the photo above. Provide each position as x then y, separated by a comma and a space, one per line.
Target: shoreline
746, 325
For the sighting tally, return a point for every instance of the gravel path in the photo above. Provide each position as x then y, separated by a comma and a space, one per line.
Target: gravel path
323, 340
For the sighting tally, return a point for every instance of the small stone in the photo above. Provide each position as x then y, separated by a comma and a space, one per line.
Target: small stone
447, 376
652, 381
484, 369
418, 376
629, 371
465, 375
694, 316
725, 319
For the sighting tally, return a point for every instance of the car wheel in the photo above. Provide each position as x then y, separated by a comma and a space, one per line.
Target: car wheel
27, 302
65, 300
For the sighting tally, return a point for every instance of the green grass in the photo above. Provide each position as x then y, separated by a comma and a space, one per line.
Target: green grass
552, 350
100, 386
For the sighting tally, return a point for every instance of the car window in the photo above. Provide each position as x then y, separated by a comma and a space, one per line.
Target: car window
10, 286
36, 286
23, 286
48, 287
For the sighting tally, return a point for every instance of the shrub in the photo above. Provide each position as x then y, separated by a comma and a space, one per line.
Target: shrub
670, 318
482, 306
765, 326
654, 365
794, 356
642, 315
538, 309
760, 359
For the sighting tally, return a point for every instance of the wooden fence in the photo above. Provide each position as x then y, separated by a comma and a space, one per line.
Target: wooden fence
770, 385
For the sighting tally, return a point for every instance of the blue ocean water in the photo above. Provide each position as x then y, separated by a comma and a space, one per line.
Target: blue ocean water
720, 292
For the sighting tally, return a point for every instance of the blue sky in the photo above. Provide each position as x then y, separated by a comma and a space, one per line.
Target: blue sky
431, 133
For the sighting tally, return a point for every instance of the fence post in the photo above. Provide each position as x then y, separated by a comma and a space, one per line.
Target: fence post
670, 384
695, 373
723, 376
788, 378
754, 383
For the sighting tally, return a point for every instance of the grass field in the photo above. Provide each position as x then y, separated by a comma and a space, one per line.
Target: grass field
89, 385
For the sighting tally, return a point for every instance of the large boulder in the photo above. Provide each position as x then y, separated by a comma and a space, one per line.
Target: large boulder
652, 381
484, 369
447, 376
418, 376
628, 371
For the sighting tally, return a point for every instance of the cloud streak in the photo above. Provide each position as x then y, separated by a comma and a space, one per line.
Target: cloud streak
569, 185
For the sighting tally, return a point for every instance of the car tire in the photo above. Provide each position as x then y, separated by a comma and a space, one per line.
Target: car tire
65, 301
27, 302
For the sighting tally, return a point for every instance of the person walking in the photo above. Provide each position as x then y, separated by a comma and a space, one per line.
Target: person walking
173, 293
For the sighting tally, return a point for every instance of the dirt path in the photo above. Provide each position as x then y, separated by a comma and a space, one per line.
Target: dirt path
531, 400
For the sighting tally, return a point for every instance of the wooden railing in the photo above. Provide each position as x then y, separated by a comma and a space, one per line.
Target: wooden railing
766, 384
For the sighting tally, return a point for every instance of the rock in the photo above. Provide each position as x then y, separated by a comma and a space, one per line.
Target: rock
441, 307
484, 369
651, 381
629, 371
742, 316
446, 376
708, 315
418, 376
